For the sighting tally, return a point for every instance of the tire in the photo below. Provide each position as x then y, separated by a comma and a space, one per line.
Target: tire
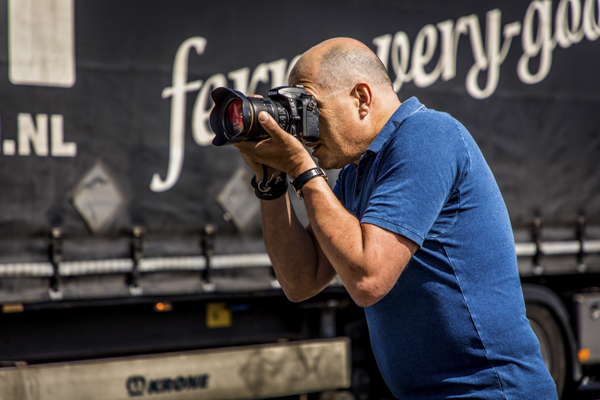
552, 345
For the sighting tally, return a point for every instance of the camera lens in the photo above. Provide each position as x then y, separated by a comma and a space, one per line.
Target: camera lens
235, 117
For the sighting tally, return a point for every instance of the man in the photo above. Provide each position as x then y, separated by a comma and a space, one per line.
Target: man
415, 228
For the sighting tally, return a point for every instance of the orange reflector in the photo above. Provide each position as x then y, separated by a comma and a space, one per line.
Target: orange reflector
584, 355
160, 307
12, 308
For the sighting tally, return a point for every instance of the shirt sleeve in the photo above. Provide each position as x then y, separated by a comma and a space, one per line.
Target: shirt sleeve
419, 169
338, 188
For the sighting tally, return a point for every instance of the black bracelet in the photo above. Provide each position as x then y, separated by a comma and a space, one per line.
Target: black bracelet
306, 176
271, 190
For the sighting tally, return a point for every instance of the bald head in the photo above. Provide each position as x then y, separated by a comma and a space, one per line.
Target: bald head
340, 63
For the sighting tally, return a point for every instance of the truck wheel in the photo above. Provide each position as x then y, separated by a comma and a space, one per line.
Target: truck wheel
551, 341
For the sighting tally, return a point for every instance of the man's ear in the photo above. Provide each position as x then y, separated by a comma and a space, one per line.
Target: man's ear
364, 97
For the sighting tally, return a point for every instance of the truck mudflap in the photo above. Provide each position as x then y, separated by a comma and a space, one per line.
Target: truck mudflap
246, 372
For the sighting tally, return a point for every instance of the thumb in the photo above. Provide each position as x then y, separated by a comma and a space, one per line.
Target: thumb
270, 125
263, 117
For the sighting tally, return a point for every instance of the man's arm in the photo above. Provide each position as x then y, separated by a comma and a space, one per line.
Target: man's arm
300, 265
367, 258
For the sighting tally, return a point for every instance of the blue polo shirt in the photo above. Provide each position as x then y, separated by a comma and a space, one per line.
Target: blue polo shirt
454, 324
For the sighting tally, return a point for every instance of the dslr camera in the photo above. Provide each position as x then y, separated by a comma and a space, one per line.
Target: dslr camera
234, 117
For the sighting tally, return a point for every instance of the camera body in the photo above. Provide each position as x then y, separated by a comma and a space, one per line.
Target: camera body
234, 117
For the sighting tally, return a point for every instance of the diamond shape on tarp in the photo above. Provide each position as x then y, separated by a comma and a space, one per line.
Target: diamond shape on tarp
238, 200
97, 198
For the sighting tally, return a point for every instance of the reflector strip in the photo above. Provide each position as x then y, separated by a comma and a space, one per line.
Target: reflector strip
125, 265
550, 248
240, 260
591, 246
172, 264
71, 268
525, 249
27, 269
557, 248
229, 261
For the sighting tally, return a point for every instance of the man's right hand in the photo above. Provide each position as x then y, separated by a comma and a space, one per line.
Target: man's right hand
282, 151
258, 167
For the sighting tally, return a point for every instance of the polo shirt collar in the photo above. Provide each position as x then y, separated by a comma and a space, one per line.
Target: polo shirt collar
406, 109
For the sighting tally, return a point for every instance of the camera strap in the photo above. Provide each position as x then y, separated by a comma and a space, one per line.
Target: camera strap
270, 190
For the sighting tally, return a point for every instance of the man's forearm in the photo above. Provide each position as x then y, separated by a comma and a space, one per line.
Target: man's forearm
293, 251
367, 258
338, 231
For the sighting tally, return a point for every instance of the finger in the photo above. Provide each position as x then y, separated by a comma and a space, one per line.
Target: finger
257, 166
252, 163
248, 146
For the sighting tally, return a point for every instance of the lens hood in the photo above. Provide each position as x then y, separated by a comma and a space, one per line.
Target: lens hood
223, 97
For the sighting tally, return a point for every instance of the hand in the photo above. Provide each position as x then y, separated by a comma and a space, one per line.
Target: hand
281, 151
257, 167
259, 170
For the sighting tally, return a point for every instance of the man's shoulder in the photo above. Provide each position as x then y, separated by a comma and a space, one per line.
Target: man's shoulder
425, 130
430, 120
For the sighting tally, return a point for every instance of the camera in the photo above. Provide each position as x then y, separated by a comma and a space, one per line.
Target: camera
234, 117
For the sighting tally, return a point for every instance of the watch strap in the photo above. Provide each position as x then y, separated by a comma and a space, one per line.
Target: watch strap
306, 176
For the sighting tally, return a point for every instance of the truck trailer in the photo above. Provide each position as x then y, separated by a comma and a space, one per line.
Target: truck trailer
132, 263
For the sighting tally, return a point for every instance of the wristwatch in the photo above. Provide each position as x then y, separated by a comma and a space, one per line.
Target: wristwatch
304, 177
